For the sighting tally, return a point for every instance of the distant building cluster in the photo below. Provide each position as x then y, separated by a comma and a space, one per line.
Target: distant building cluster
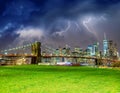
109, 50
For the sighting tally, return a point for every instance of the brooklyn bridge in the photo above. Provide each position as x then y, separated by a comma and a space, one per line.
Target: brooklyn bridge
39, 53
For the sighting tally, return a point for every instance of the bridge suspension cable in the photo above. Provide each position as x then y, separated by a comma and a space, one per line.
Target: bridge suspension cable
47, 48
17, 48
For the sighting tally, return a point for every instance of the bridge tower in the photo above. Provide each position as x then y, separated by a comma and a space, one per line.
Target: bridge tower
36, 51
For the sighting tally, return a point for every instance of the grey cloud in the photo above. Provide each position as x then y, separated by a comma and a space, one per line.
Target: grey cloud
53, 17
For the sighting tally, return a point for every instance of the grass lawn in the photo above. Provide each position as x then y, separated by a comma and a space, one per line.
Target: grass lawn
58, 79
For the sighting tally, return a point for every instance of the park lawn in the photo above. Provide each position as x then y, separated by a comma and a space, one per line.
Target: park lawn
58, 79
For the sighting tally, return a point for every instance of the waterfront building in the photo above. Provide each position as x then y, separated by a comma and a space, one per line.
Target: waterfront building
96, 49
90, 50
105, 47
112, 50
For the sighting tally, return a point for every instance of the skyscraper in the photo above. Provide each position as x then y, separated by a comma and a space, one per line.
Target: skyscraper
93, 50
112, 50
96, 49
90, 50
105, 46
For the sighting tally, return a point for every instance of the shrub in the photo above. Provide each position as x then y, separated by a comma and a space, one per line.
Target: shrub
116, 64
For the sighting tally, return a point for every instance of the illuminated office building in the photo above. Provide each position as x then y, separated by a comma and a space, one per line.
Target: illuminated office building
90, 50
96, 49
105, 46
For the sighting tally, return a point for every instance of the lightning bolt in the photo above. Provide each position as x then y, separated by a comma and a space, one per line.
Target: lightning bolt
66, 29
88, 26
78, 26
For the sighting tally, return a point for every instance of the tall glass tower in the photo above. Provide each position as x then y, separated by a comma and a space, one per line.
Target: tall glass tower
105, 45
90, 50
96, 49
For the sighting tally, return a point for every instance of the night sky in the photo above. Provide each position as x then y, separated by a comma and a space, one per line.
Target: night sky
58, 22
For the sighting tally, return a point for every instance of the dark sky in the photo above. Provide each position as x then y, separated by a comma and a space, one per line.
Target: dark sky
58, 22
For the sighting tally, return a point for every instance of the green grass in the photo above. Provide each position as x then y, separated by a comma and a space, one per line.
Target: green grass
58, 79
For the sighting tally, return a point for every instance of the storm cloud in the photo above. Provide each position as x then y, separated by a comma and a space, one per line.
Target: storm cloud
58, 22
